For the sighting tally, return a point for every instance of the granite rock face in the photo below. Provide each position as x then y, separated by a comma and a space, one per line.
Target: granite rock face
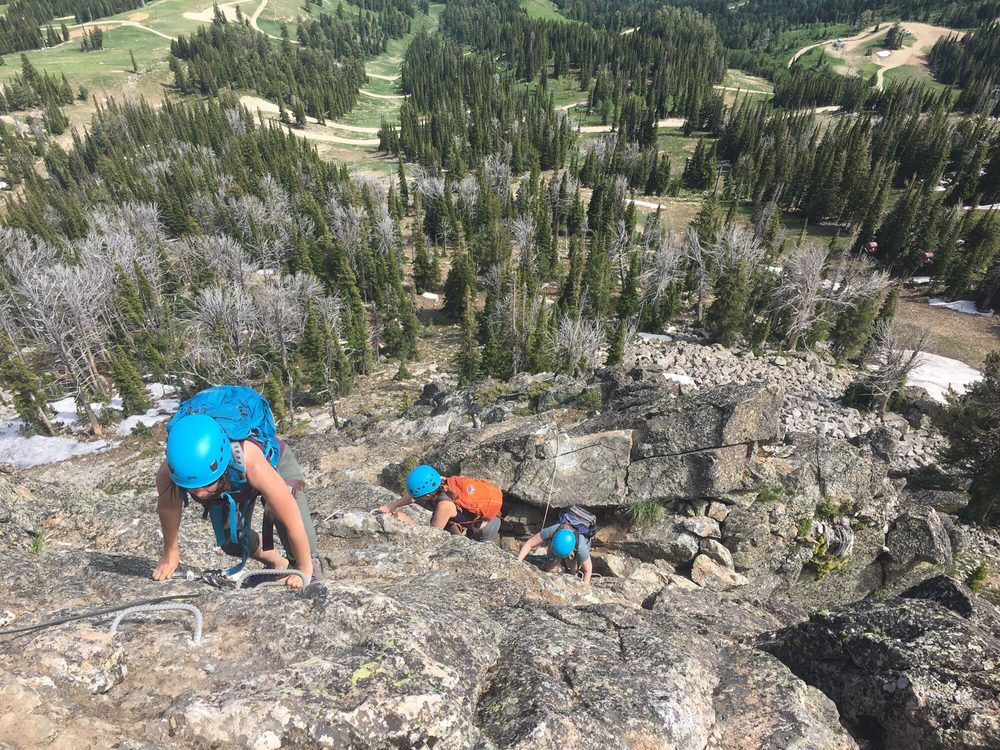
416, 639
905, 673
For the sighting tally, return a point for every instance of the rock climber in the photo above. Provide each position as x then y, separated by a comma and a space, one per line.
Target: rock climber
222, 450
460, 505
568, 543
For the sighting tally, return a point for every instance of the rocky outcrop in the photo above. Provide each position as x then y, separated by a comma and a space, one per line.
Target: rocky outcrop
417, 639
907, 674
649, 446
917, 536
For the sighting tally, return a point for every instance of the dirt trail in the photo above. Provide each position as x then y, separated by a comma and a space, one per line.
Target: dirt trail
670, 122
255, 103
392, 97
76, 30
924, 36
394, 77
859, 35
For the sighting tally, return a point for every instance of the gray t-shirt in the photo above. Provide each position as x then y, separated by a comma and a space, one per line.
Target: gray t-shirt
582, 543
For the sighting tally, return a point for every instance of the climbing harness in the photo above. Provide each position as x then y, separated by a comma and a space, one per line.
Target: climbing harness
165, 607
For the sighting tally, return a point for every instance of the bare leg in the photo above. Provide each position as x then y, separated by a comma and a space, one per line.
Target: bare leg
271, 558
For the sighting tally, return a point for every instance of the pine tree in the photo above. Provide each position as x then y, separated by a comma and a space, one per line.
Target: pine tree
275, 394
135, 65
424, 278
971, 425
404, 190
496, 360
853, 330
128, 383
29, 402
467, 361
616, 349
460, 282
726, 317
708, 222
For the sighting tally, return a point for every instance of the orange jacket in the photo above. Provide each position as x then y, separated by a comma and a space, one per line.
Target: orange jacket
480, 498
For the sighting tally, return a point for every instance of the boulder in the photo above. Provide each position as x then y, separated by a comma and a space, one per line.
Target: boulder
944, 501
960, 599
761, 704
706, 572
707, 473
668, 541
701, 526
529, 462
906, 674
717, 552
845, 475
917, 536
724, 416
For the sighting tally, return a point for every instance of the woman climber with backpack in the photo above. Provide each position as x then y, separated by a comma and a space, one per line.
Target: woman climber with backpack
223, 451
460, 505
569, 542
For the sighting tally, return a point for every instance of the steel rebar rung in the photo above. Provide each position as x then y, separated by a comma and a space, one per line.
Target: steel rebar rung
166, 607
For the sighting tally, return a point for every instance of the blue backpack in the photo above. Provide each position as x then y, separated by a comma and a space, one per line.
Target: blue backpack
581, 521
243, 414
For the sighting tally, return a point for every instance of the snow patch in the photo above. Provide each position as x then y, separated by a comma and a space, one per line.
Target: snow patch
148, 419
431, 296
937, 375
966, 306
658, 338
920, 280
884, 53
677, 378
31, 451
25, 451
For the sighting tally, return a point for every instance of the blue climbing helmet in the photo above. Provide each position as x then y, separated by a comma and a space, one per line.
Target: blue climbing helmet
563, 543
198, 451
422, 480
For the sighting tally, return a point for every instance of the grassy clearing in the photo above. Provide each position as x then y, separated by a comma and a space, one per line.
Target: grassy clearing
793, 40
387, 64
108, 70
918, 73
167, 16
368, 112
545, 9
738, 79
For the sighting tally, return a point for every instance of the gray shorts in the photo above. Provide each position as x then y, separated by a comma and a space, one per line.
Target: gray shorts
487, 533
289, 470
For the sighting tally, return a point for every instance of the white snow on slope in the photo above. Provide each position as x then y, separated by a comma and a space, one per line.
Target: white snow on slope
25, 451
39, 449
936, 375
960, 305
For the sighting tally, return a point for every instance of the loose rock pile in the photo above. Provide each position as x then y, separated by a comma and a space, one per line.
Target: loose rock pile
813, 387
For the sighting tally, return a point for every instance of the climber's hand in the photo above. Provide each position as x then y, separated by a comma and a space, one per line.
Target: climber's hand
166, 566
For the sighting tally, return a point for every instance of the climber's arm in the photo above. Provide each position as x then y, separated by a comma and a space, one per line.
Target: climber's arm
528, 546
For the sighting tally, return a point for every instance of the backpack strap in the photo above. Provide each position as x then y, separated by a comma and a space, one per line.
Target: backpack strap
220, 512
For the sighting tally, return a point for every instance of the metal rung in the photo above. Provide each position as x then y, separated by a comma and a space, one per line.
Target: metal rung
166, 607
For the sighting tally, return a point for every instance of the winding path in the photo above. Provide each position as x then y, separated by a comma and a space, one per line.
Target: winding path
669, 122
392, 97
104, 25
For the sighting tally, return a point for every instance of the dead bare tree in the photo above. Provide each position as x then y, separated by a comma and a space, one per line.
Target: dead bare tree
698, 255
663, 269
223, 333
282, 302
580, 340
805, 295
894, 352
